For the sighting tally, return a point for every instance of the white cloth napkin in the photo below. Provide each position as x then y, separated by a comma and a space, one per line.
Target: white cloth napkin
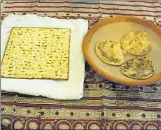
65, 90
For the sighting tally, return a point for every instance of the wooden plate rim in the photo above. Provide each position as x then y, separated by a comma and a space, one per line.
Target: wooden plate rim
91, 62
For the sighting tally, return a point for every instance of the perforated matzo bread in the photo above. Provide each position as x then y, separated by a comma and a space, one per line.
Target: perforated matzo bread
37, 53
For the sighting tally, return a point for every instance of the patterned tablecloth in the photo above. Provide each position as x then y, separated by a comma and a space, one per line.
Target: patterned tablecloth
105, 105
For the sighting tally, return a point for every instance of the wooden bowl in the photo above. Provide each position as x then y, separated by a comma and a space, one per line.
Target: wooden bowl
113, 29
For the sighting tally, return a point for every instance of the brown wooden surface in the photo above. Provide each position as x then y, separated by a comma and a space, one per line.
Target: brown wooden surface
101, 71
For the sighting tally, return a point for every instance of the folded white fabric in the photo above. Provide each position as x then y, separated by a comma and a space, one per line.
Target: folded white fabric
57, 89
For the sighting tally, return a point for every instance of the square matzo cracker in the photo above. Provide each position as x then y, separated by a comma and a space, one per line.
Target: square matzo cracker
37, 53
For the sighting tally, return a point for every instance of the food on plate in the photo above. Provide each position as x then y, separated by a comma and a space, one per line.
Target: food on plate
110, 52
136, 43
138, 68
41, 53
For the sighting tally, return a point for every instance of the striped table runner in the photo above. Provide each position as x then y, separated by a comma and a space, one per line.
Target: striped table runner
105, 105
